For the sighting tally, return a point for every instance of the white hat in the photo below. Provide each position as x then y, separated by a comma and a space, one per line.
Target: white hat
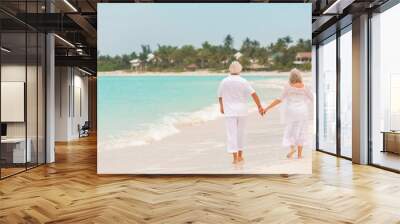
235, 67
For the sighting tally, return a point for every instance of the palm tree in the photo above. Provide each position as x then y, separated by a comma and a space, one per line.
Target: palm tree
288, 40
165, 55
228, 42
143, 55
209, 56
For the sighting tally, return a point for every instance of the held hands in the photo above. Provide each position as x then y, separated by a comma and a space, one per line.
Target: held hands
261, 111
266, 110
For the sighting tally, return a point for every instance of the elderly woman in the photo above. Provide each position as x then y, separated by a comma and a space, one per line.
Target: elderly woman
296, 112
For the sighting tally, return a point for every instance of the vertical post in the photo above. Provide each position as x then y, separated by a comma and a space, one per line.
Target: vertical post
338, 81
369, 127
92, 103
50, 92
360, 90
37, 90
1, 165
315, 66
26, 105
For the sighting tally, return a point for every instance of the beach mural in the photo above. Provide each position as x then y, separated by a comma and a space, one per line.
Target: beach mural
166, 86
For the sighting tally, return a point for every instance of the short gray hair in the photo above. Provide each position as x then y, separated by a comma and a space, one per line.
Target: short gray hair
295, 76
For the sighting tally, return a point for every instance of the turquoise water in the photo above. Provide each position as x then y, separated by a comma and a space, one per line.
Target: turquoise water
135, 110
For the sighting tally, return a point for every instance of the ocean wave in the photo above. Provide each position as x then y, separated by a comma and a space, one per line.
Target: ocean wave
167, 126
277, 83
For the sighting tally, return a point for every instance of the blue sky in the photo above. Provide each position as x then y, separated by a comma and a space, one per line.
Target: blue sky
123, 27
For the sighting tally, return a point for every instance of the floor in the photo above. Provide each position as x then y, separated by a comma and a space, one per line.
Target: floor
10, 171
387, 159
70, 191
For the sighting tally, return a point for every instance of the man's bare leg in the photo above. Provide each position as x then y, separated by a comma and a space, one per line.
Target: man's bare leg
235, 157
240, 156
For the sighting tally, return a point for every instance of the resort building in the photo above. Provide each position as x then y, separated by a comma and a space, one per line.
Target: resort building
237, 55
191, 67
135, 63
302, 58
49, 98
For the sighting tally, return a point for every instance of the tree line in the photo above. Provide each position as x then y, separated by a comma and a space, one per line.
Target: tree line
252, 55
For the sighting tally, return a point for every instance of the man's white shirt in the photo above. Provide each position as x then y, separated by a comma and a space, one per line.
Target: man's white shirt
235, 92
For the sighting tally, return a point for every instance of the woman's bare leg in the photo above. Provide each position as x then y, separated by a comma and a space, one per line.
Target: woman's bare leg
292, 151
240, 156
299, 151
235, 158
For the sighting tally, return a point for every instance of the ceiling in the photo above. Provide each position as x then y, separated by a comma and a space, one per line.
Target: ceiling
331, 15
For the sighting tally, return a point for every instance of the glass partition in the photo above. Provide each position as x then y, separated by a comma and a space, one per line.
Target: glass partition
33, 72
346, 92
14, 153
385, 89
22, 67
327, 95
31, 100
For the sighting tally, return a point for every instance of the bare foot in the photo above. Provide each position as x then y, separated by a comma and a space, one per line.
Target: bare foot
300, 151
241, 159
235, 161
290, 154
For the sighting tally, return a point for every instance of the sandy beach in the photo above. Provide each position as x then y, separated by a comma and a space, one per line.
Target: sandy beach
200, 149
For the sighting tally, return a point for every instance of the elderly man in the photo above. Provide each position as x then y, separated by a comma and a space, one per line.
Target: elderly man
233, 94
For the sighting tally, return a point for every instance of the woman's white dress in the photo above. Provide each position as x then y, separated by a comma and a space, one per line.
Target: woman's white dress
296, 114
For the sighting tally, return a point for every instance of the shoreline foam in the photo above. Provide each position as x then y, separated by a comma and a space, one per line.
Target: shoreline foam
168, 125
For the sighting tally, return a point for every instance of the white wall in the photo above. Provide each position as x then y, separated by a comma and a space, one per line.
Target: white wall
70, 83
80, 104
10, 72
62, 82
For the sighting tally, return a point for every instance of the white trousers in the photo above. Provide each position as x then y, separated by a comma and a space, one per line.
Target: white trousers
235, 133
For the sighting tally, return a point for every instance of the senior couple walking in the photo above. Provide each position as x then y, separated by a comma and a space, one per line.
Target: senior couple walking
233, 94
